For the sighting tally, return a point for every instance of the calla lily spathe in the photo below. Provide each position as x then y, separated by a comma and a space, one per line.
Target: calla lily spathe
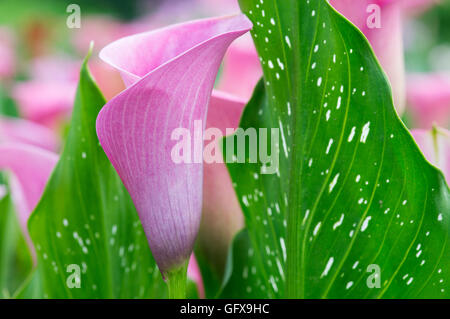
222, 215
169, 74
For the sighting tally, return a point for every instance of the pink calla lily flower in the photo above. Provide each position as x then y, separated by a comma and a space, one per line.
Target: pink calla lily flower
429, 99
241, 69
435, 145
170, 75
56, 68
48, 96
31, 167
15, 130
222, 215
44, 102
195, 275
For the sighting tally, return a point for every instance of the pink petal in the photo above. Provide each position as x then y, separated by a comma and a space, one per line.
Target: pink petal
435, 145
225, 110
222, 215
429, 99
170, 74
21, 131
386, 41
55, 68
31, 167
194, 273
45, 101
241, 68
106, 77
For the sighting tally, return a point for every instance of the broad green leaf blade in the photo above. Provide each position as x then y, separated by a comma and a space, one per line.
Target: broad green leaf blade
242, 268
31, 287
86, 218
211, 280
352, 189
15, 258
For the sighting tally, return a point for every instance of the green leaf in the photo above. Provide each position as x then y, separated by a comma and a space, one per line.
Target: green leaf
242, 264
352, 189
15, 258
31, 287
211, 280
87, 219
7, 104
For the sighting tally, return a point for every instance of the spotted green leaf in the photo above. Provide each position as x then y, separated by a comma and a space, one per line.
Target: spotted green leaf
86, 220
354, 201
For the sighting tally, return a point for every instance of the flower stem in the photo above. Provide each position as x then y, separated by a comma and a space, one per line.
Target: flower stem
176, 281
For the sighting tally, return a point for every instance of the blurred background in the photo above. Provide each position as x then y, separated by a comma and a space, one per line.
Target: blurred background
40, 55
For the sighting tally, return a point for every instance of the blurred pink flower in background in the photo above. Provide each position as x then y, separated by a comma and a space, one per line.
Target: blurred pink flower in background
43, 102
435, 145
31, 167
54, 68
100, 29
429, 99
386, 41
27, 151
222, 216
14, 130
241, 69
195, 275
7, 54
47, 97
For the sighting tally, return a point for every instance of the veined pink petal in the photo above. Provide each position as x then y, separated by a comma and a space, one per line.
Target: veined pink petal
170, 74
429, 99
386, 41
14, 130
435, 145
45, 101
194, 273
31, 167
222, 215
241, 68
